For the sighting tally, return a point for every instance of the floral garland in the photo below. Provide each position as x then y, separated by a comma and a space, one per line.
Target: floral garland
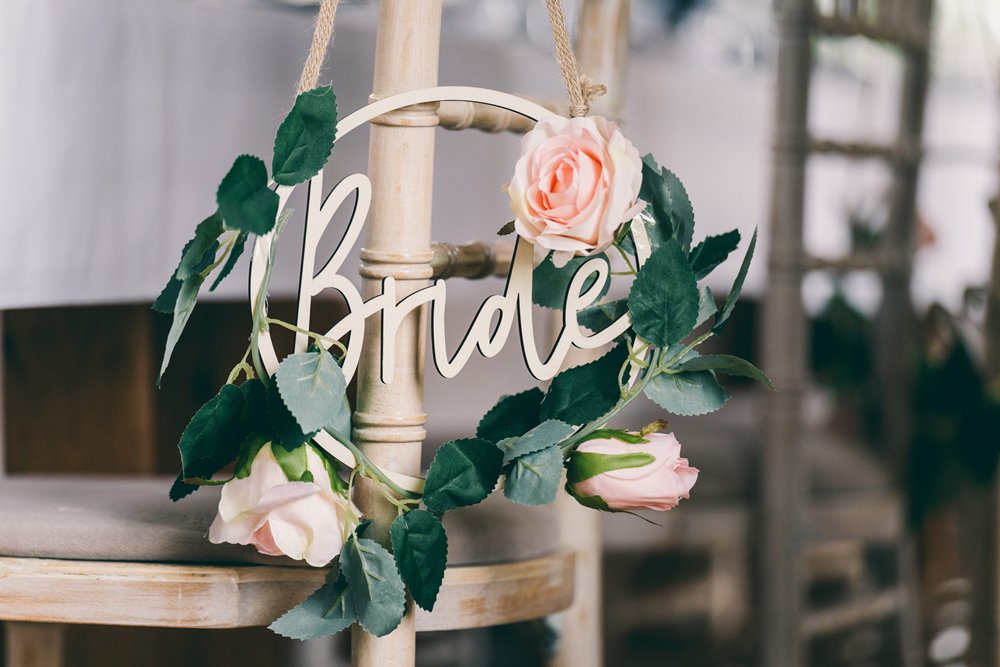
579, 191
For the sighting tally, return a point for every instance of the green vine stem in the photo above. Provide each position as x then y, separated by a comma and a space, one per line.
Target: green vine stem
319, 338
258, 306
372, 471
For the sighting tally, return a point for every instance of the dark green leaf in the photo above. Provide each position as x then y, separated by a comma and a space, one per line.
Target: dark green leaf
248, 452
305, 138
284, 426
600, 316
255, 418
545, 434
212, 438
511, 416
199, 253
689, 393
584, 465
550, 284
669, 205
326, 612
375, 586
534, 478
462, 473
187, 297
245, 201
420, 546
507, 229
706, 306
663, 300
313, 388
584, 393
234, 255
728, 365
713, 251
734, 293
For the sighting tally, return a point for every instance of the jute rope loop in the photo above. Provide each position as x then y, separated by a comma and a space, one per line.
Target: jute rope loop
581, 88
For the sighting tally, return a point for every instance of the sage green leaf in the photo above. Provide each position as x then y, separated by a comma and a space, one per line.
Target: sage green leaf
663, 300
584, 393
462, 473
420, 546
669, 205
245, 201
600, 316
688, 393
211, 439
326, 612
285, 427
549, 432
728, 365
584, 465
305, 138
713, 251
376, 588
201, 247
512, 416
313, 388
734, 293
550, 284
187, 297
234, 255
706, 306
534, 478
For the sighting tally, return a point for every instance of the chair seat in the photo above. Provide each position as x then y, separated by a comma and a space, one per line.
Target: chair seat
132, 519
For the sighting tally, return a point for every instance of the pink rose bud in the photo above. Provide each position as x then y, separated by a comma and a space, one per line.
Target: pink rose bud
617, 475
301, 520
576, 182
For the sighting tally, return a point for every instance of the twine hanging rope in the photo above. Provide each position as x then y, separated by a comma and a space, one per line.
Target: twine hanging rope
581, 88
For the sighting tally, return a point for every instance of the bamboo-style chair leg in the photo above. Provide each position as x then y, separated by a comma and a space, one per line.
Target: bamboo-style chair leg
34, 645
389, 421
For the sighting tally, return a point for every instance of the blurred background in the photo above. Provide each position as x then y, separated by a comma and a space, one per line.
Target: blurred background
869, 482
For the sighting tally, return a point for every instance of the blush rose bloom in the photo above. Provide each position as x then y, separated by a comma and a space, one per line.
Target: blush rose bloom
301, 520
657, 485
576, 182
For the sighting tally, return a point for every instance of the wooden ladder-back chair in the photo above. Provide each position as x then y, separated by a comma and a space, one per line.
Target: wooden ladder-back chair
788, 521
117, 552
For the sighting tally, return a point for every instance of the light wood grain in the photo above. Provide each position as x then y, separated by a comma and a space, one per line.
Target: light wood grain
202, 596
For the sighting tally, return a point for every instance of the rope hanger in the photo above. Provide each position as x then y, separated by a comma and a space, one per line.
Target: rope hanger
580, 88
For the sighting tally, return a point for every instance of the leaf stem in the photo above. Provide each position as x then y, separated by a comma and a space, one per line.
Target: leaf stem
319, 338
371, 470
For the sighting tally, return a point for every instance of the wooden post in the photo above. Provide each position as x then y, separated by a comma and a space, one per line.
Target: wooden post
784, 353
602, 49
389, 421
34, 645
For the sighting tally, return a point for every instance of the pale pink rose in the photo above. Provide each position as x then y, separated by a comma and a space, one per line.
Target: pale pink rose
301, 520
576, 182
658, 485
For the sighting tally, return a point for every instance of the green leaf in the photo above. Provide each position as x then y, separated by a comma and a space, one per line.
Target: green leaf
211, 439
326, 612
584, 393
669, 205
593, 502
305, 138
200, 251
511, 416
187, 297
421, 549
613, 434
293, 462
734, 293
234, 255
507, 229
313, 388
534, 478
462, 473
728, 365
706, 306
284, 426
584, 465
663, 300
713, 251
550, 284
545, 434
248, 452
600, 316
688, 393
245, 201
376, 588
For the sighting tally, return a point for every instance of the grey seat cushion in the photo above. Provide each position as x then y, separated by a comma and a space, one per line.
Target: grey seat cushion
132, 519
